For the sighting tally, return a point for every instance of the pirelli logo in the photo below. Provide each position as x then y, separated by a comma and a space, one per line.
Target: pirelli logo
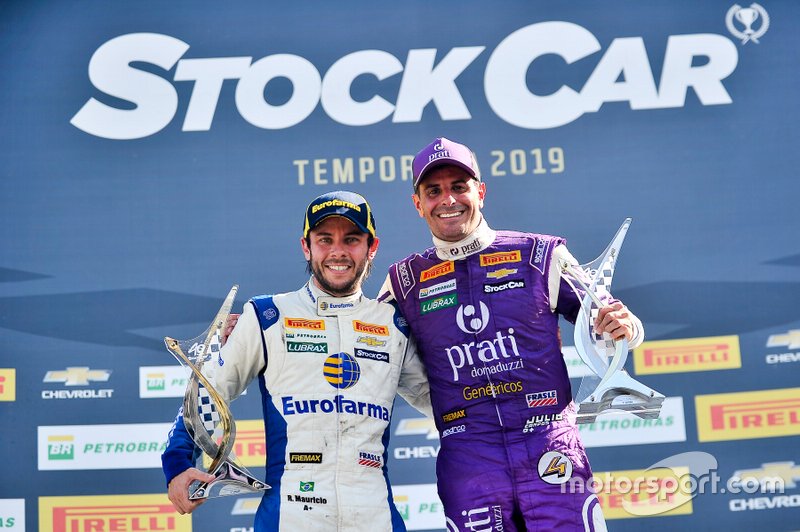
691, 354
437, 271
747, 415
644, 493
491, 259
370, 328
302, 323
110, 512
305, 458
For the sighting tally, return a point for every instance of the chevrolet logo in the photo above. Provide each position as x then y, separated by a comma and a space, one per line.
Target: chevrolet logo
370, 341
502, 272
78, 376
791, 339
786, 471
416, 426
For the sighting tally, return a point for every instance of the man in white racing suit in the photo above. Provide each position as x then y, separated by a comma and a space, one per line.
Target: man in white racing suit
329, 362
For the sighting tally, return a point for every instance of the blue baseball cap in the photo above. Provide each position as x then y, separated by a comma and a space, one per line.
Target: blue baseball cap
340, 203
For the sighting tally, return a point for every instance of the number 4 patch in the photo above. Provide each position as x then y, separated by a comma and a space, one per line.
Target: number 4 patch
555, 468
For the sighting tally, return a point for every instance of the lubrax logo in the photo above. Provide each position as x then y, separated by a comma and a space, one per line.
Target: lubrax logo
431, 305
147, 102
493, 288
745, 415
305, 458
306, 347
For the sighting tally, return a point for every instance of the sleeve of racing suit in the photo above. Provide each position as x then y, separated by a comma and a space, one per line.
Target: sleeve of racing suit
564, 301
413, 385
242, 359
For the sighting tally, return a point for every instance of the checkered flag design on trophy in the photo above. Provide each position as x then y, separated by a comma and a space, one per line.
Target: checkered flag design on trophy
206, 415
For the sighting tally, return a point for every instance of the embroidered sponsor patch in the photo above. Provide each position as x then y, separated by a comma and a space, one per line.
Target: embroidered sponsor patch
555, 467
454, 415
306, 347
370, 459
437, 271
494, 288
537, 399
490, 259
372, 355
439, 303
370, 328
501, 273
370, 341
305, 458
302, 323
437, 289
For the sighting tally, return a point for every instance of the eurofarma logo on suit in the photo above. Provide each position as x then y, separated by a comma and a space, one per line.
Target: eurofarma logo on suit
623, 73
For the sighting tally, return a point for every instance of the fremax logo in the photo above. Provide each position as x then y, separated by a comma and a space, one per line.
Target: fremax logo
486, 350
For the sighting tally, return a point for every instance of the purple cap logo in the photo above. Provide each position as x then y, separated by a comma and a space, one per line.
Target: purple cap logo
442, 152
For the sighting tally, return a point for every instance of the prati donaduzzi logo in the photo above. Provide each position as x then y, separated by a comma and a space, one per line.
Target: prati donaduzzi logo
623, 74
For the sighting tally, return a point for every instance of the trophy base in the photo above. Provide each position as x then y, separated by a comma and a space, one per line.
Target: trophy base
621, 394
230, 480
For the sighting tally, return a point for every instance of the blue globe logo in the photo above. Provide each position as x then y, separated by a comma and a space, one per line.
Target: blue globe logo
341, 371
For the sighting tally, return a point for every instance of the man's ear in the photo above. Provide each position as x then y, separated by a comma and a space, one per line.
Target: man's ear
373, 249
417, 204
306, 251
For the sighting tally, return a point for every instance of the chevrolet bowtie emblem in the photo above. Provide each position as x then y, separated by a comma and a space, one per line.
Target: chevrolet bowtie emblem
791, 340
78, 376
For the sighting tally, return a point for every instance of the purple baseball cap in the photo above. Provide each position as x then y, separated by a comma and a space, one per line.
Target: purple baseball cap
444, 151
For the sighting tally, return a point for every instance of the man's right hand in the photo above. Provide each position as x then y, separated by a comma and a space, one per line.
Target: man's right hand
178, 492
229, 325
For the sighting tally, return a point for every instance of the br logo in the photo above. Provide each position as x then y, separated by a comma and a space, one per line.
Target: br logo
341, 371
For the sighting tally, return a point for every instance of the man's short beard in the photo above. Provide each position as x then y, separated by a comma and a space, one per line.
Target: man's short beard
347, 290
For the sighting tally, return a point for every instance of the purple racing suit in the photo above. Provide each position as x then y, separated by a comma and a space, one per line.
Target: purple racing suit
486, 326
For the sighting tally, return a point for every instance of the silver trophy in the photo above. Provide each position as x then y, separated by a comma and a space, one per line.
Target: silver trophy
610, 388
206, 415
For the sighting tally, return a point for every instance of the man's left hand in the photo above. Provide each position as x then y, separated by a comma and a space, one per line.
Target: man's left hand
615, 320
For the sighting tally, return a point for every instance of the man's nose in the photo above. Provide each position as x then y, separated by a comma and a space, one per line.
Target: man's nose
449, 200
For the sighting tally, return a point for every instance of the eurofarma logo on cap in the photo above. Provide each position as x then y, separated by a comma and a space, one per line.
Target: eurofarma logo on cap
82, 447
111, 512
747, 415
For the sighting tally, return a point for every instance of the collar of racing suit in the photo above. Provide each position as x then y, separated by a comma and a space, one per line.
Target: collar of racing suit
476, 241
328, 305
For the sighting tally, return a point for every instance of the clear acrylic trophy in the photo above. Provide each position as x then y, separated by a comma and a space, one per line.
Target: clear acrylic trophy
610, 388
206, 415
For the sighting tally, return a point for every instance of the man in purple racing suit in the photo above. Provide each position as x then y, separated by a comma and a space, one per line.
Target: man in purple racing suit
484, 306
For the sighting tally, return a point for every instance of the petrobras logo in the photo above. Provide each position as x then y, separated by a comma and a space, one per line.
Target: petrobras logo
84, 447
162, 381
746, 415
111, 512
493, 259
684, 355
77, 376
149, 101
12, 515
337, 405
627, 429
419, 506
303, 323
435, 290
8, 384
437, 271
